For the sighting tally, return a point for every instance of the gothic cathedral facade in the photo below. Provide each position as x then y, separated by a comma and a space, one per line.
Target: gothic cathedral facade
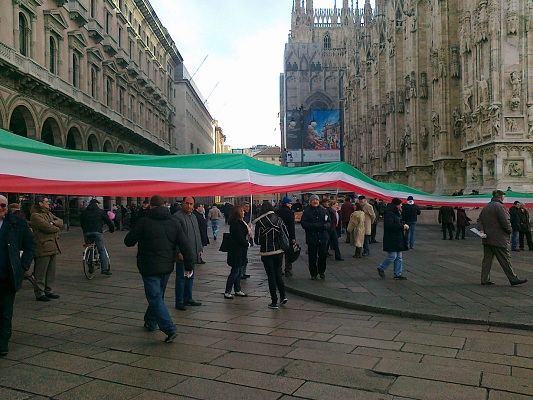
434, 94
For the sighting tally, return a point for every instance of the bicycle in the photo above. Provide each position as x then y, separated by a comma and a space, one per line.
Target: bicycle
91, 259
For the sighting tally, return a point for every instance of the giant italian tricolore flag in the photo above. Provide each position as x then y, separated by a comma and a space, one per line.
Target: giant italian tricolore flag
28, 166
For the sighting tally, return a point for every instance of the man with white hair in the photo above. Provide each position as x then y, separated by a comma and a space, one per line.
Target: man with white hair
17, 249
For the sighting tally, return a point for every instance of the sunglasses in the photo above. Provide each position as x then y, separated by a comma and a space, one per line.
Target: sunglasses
3, 205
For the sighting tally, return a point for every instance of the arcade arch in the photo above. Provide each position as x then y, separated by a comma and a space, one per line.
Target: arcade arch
74, 141
92, 143
108, 147
22, 122
51, 133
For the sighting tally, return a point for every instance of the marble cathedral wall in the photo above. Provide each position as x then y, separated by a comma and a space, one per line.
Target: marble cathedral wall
438, 94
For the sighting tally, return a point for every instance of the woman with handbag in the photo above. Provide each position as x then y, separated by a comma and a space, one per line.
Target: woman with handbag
462, 222
269, 229
237, 251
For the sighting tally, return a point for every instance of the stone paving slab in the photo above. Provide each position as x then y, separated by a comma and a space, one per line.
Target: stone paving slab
95, 346
443, 282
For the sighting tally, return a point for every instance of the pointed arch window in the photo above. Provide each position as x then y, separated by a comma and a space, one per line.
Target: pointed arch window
24, 35
327, 41
53, 53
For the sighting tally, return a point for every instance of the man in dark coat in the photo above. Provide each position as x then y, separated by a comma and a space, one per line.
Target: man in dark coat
347, 209
393, 239
447, 219
514, 215
287, 215
185, 280
17, 250
91, 221
410, 213
202, 223
158, 237
494, 222
524, 229
315, 221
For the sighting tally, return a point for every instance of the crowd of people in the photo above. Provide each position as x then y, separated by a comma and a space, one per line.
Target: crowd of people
172, 238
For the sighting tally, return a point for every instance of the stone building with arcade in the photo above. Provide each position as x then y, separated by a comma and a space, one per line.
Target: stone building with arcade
435, 94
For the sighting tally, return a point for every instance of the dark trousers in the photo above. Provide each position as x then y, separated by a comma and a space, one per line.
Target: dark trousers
373, 232
461, 230
527, 234
183, 288
234, 280
449, 229
317, 258
7, 299
503, 257
272, 266
334, 243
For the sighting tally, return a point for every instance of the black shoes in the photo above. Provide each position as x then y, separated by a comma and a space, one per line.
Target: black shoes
381, 272
273, 306
52, 296
43, 298
193, 303
400, 278
180, 306
339, 259
518, 282
322, 276
170, 338
107, 272
487, 283
284, 301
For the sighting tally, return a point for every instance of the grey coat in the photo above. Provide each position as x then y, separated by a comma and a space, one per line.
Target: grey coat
190, 226
494, 220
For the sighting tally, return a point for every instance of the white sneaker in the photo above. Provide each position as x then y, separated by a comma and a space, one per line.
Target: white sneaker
228, 296
240, 293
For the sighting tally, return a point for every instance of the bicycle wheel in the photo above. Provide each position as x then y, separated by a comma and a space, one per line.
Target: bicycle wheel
88, 267
108, 260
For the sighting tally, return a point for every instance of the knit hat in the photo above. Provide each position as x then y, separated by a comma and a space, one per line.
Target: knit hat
362, 197
94, 201
396, 201
314, 197
156, 200
410, 198
516, 202
286, 200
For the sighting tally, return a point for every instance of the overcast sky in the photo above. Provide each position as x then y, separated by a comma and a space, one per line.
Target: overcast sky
244, 42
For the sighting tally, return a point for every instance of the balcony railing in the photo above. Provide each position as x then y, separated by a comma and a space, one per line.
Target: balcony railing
122, 58
95, 30
110, 45
77, 12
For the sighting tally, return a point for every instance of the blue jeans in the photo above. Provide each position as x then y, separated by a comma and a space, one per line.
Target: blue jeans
98, 239
183, 285
410, 234
157, 312
514, 240
214, 226
395, 256
234, 280
366, 246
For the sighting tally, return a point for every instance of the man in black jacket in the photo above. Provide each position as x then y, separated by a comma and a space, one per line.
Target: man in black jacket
15, 237
287, 215
202, 224
410, 213
316, 222
91, 220
158, 237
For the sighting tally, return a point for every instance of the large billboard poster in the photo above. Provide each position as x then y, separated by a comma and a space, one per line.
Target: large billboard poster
318, 132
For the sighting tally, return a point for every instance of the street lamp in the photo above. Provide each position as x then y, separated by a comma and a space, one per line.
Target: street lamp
293, 125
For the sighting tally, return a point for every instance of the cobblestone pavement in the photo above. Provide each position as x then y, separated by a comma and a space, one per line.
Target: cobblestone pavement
443, 282
90, 343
